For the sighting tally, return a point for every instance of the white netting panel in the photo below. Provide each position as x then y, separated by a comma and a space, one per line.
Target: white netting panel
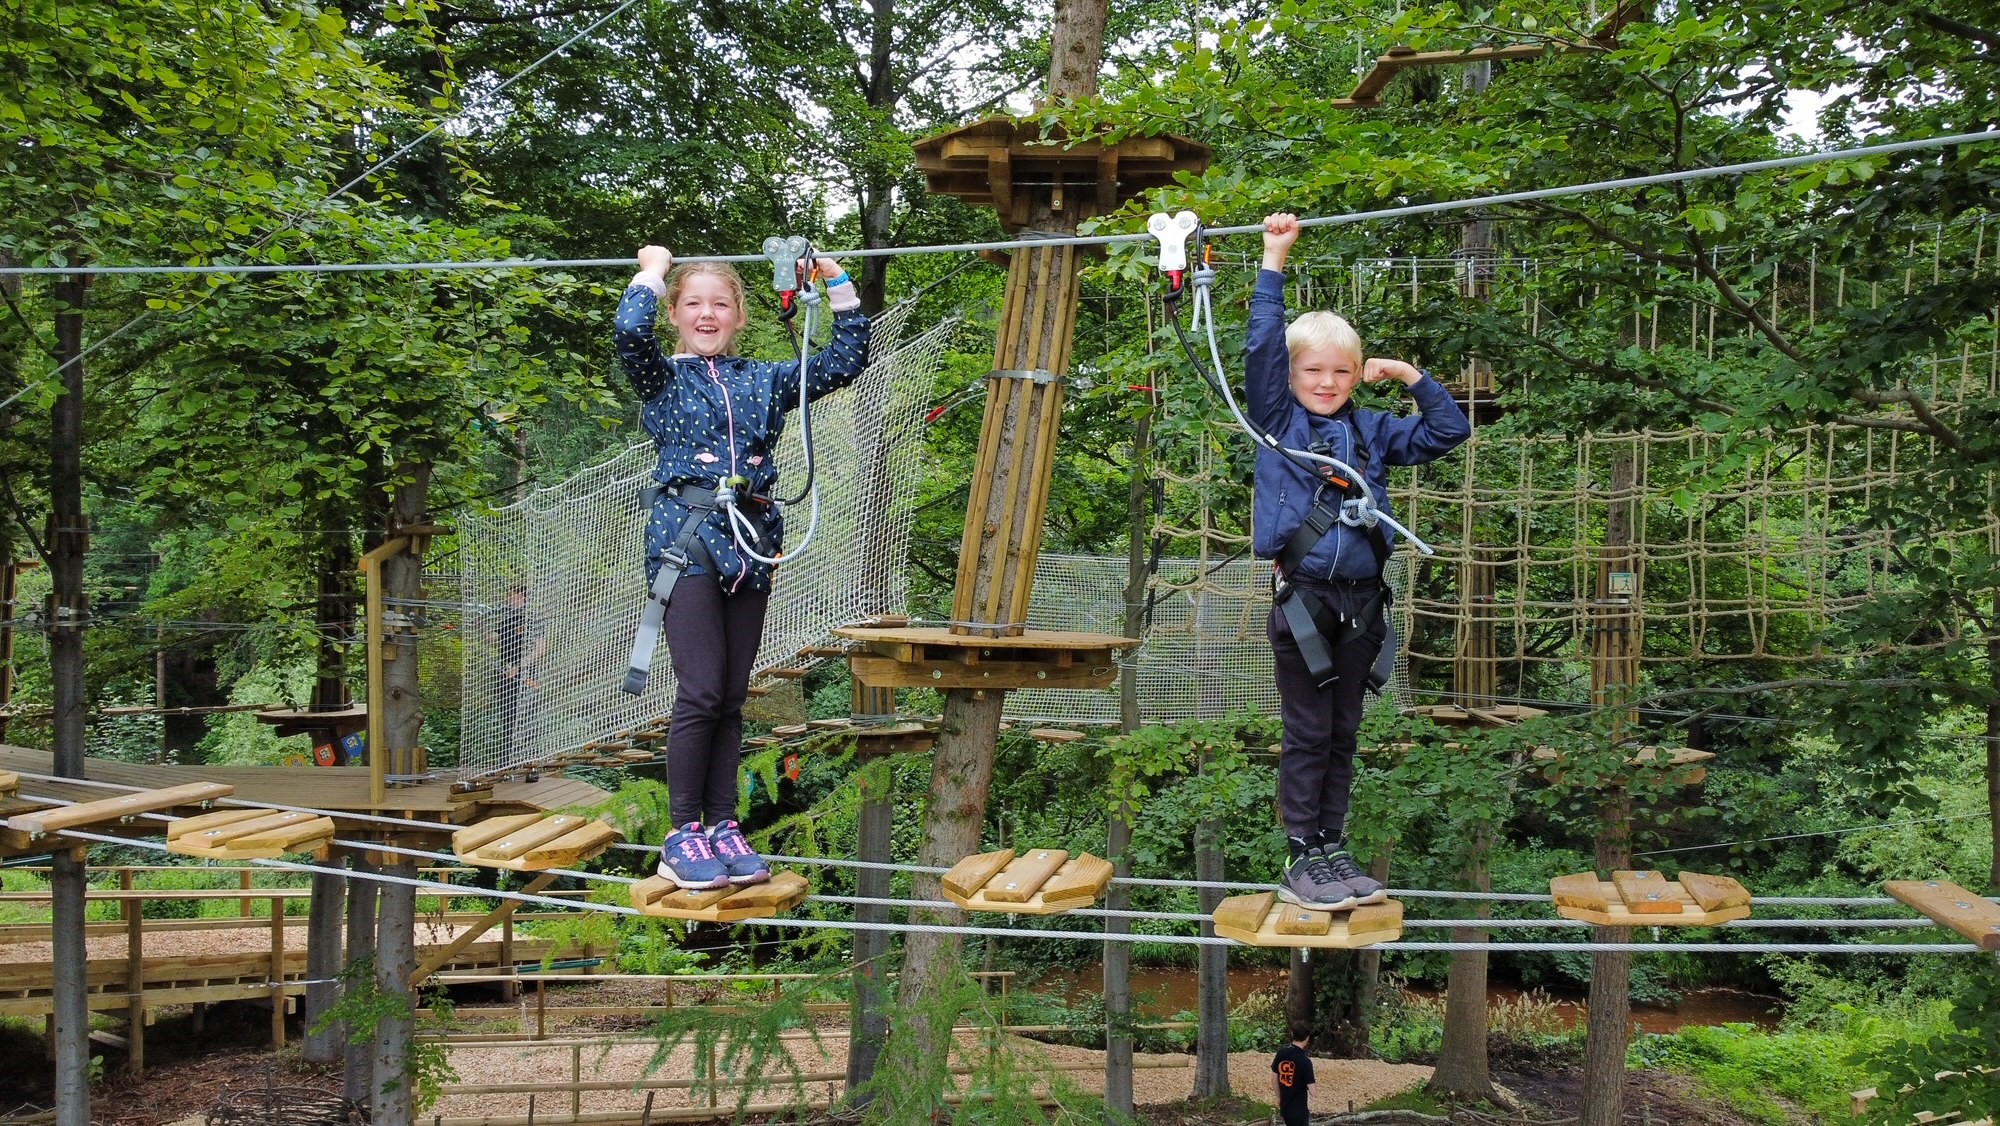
578, 548
1205, 653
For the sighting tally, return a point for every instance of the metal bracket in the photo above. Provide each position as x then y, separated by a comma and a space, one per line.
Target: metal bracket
1173, 232
1038, 375
784, 253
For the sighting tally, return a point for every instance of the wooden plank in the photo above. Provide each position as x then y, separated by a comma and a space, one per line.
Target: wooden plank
1951, 906
1648, 893
118, 808
1582, 890
1245, 912
969, 875
473, 933
1032, 639
202, 823
10, 782
1025, 874
1713, 893
573, 847
479, 834
1054, 734
658, 891
286, 838
1293, 920
880, 673
518, 843
1080, 881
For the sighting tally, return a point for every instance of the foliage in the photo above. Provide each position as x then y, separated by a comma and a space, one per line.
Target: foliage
1947, 1072
364, 1007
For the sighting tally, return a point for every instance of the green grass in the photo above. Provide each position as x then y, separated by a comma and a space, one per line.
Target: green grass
1415, 1099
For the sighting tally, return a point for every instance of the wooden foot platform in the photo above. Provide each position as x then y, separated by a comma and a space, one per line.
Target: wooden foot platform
1262, 919
532, 842
1043, 881
659, 897
1949, 905
1649, 899
1454, 715
1689, 766
23, 829
934, 657
10, 783
248, 834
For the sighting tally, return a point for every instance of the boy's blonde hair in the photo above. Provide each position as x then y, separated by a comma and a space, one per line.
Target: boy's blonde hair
1319, 329
678, 276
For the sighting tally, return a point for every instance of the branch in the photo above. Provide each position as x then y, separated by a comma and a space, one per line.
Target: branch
45, 346
1962, 30
1620, 375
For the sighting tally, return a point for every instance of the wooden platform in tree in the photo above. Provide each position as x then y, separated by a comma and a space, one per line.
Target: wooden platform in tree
1649, 899
659, 897
934, 657
532, 842
1947, 904
248, 834
1263, 919
1044, 881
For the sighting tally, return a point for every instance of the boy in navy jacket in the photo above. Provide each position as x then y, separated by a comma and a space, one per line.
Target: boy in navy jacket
1299, 382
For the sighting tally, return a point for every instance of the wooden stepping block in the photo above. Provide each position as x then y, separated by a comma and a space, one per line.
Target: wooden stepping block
113, 810
1043, 881
659, 897
10, 783
248, 834
1055, 734
1262, 919
1649, 899
1949, 905
532, 842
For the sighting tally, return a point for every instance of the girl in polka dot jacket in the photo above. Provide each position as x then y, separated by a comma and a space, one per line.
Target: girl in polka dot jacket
716, 417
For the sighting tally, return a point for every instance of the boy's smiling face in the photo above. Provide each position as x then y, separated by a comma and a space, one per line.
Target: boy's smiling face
1323, 377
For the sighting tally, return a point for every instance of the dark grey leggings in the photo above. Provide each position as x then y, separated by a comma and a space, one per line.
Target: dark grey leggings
712, 638
1316, 770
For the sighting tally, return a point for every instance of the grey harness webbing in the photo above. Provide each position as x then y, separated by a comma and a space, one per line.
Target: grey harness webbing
674, 564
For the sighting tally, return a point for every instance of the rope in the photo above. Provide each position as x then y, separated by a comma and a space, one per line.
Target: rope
1686, 175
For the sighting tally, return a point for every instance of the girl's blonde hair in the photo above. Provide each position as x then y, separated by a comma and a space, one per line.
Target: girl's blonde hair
678, 276
1320, 329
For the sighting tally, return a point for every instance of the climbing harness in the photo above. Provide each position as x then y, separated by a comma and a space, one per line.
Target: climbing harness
1356, 507
749, 515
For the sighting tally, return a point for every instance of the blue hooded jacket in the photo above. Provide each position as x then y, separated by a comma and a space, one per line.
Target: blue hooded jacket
716, 418
1285, 492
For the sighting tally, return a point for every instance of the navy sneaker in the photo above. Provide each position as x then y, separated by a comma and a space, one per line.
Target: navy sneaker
689, 862
745, 866
1365, 888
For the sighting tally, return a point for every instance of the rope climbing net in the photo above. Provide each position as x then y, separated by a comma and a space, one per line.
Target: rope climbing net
576, 551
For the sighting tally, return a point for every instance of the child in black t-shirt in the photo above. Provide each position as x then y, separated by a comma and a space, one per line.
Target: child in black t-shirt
1292, 1078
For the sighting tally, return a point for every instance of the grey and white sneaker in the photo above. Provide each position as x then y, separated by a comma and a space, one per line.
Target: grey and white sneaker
1310, 881
1364, 887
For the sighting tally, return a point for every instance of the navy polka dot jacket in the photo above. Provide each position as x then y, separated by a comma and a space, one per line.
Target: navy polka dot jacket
721, 417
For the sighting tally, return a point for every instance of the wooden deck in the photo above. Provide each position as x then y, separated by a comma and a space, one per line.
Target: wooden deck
340, 789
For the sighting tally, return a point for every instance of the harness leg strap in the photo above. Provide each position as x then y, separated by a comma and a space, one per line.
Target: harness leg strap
1306, 635
651, 620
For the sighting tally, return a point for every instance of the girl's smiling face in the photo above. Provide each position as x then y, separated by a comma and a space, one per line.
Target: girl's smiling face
707, 314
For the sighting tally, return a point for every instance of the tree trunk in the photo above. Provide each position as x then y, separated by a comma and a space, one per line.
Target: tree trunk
357, 1080
323, 962
393, 1101
402, 591
1610, 987
65, 547
1339, 1029
1462, 1068
878, 194
1211, 1048
954, 818
1077, 47
1993, 746
335, 615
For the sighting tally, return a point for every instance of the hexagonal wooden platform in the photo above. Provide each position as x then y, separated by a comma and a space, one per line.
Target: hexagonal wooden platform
248, 834
659, 897
1649, 899
1262, 919
532, 842
1042, 881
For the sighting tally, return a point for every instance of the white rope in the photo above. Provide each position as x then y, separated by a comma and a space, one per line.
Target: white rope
1685, 175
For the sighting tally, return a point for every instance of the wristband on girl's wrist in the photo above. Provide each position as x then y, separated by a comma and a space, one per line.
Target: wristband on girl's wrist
843, 279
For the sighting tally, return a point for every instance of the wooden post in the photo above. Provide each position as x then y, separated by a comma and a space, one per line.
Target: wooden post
277, 972
10, 590
323, 962
243, 883
135, 980
542, 1006
868, 1025
576, 1081
391, 1102
1211, 1060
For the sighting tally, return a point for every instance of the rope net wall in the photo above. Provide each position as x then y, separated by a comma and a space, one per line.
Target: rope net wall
577, 549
